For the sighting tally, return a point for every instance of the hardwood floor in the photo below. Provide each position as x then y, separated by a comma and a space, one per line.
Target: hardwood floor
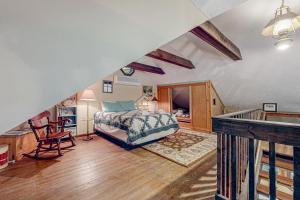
99, 169
199, 183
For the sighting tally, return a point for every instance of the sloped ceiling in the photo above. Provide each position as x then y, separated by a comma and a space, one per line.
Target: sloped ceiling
50, 49
264, 75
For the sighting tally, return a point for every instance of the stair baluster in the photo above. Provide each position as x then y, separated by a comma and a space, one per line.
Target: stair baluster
238, 136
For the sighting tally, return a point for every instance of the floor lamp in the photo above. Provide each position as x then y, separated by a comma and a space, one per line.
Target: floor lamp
88, 96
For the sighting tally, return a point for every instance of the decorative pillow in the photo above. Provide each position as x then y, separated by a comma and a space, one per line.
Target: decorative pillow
111, 107
127, 105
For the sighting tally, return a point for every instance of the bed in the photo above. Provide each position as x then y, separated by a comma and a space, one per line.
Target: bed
135, 127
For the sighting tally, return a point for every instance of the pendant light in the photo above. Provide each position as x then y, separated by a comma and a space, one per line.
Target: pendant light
282, 26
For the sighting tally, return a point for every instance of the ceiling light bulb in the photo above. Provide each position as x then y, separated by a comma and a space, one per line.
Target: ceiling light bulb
283, 43
282, 26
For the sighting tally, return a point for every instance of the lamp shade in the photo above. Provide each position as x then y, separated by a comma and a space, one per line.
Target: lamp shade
284, 22
88, 95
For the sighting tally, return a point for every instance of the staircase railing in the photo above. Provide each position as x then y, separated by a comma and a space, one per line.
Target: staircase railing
237, 133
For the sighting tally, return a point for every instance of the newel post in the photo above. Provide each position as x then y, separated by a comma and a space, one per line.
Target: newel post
251, 156
219, 161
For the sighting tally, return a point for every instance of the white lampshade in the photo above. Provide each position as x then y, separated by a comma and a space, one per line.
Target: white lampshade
282, 26
88, 95
284, 43
285, 22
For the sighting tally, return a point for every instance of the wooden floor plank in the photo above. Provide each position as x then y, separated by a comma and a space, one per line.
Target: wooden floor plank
99, 169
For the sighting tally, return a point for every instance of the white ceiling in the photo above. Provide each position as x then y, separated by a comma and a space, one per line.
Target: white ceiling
50, 49
264, 75
213, 8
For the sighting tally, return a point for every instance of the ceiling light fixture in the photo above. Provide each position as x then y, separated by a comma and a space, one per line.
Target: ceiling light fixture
282, 26
283, 43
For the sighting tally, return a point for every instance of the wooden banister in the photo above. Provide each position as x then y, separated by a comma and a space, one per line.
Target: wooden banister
237, 136
277, 132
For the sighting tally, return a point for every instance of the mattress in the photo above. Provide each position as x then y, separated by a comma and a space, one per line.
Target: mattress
122, 135
133, 127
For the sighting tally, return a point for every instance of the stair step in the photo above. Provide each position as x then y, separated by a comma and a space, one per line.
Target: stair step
280, 195
279, 156
279, 163
279, 178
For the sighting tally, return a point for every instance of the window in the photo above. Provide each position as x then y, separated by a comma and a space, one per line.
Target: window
107, 86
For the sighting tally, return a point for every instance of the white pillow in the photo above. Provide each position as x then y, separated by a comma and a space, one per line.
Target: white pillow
144, 112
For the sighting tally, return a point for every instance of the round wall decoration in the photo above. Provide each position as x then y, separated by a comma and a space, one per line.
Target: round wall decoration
127, 71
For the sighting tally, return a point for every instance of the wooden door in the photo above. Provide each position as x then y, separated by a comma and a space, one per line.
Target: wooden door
163, 94
200, 107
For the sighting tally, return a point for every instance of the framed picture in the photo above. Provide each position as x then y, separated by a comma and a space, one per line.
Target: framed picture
107, 86
270, 107
148, 91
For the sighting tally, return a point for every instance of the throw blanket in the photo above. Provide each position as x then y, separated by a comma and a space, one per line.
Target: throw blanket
137, 125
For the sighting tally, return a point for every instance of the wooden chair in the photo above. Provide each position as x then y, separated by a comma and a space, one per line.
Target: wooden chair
48, 139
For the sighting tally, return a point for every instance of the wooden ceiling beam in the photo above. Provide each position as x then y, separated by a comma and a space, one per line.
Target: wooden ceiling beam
171, 58
146, 68
210, 34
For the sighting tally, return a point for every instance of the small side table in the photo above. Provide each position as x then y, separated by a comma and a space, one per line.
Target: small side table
19, 142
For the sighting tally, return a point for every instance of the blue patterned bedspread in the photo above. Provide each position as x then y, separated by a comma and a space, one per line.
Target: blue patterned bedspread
136, 124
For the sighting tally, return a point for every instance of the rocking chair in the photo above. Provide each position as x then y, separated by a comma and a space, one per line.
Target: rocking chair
48, 139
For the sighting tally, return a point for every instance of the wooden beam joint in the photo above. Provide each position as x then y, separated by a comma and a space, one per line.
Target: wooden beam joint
146, 68
210, 34
171, 58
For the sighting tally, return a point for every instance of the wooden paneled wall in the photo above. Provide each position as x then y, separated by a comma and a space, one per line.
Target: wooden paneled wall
164, 102
202, 105
217, 106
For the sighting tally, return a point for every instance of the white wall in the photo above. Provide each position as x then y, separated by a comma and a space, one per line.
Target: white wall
51, 49
213, 8
120, 92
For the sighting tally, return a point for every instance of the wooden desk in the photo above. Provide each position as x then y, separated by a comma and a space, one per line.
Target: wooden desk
19, 142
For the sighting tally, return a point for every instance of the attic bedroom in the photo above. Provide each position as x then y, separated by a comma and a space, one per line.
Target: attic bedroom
105, 100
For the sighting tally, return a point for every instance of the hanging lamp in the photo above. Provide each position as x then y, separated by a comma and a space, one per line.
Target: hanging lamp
282, 26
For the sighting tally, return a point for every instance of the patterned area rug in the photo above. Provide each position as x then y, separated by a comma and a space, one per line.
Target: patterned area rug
185, 147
